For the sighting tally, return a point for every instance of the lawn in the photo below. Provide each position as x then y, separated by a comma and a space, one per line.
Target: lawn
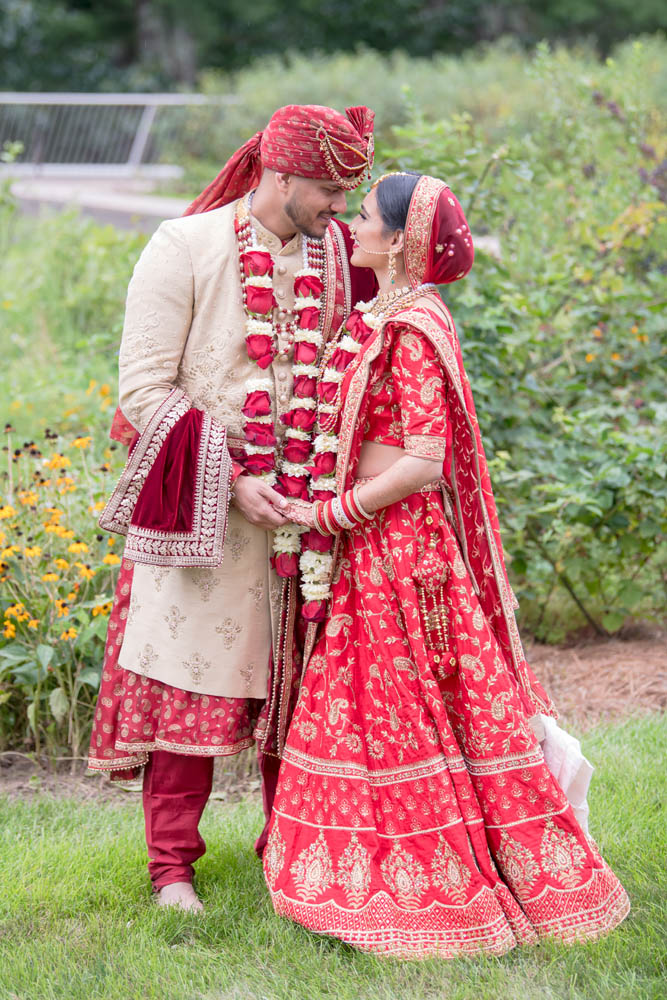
76, 921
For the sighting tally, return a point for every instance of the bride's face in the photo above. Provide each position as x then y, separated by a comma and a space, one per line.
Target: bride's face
368, 234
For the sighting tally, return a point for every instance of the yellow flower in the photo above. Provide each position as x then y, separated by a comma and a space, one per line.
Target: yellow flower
634, 329
50, 577
9, 630
615, 357
111, 542
31, 551
81, 442
101, 609
91, 385
57, 461
28, 497
61, 563
597, 333
33, 623
55, 513
65, 484
85, 571
111, 559
105, 389
69, 633
65, 532
590, 357
3, 538
7, 511
642, 338
61, 608
9, 551
77, 547
14, 610
71, 596
97, 507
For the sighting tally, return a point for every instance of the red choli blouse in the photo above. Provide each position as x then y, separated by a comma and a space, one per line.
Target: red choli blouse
408, 396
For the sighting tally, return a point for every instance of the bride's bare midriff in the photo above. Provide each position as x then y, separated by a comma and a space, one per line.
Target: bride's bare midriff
376, 458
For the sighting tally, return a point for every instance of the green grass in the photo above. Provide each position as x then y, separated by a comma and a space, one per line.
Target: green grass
76, 921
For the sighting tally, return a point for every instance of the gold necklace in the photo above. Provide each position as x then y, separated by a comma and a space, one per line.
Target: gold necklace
400, 297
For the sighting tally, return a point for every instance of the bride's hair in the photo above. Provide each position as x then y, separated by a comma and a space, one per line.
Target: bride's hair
393, 197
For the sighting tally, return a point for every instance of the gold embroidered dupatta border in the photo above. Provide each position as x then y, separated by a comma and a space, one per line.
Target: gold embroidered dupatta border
443, 338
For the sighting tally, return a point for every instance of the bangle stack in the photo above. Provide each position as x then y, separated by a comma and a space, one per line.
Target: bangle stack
340, 513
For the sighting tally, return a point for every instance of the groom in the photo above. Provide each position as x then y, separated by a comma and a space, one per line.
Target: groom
189, 649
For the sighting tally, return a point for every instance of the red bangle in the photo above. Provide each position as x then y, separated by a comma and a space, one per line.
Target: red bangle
348, 507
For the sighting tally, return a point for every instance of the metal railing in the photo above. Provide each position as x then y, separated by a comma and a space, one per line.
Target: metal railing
103, 133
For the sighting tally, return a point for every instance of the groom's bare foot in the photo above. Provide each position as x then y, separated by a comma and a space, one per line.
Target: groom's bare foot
180, 894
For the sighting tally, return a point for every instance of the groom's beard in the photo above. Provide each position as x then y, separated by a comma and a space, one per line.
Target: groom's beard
305, 222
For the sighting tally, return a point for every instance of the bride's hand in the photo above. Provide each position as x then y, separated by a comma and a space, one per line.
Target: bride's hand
300, 512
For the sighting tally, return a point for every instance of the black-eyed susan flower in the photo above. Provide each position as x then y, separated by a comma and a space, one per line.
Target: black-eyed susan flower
57, 461
69, 633
32, 551
81, 442
111, 559
50, 577
61, 563
7, 511
77, 547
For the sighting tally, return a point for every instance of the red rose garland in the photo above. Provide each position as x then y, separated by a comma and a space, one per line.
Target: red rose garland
286, 472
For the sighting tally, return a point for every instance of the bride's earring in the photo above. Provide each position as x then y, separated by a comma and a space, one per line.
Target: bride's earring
392, 266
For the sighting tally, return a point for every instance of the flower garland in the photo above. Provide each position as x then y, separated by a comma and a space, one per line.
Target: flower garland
286, 471
365, 319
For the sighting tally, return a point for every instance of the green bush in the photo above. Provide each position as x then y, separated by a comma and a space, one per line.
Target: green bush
562, 160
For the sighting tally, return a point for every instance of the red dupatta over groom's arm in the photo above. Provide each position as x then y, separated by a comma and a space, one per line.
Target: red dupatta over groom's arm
172, 498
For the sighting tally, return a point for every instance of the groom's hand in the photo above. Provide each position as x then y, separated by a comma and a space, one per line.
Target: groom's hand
259, 503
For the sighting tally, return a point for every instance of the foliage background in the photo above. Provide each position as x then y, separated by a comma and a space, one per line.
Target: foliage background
562, 157
153, 44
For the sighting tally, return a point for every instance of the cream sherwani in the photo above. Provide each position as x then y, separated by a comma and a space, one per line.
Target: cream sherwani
205, 630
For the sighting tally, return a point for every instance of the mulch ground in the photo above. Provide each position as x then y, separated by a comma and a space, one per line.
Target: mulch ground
591, 681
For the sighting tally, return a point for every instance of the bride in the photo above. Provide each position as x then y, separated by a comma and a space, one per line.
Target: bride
415, 815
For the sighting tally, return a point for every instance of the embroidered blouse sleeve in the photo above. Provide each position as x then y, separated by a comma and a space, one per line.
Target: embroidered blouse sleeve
421, 392
158, 315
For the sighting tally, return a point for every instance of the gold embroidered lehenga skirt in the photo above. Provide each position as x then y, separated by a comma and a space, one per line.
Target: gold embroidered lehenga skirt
414, 814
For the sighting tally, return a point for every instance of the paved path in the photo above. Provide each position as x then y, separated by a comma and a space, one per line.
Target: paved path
128, 203
124, 203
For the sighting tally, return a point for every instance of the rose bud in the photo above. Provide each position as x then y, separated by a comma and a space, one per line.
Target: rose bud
324, 464
340, 359
309, 318
356, 326
304, 385
260, 349
316, 542
308, 285
304, 353
257, 404
260, 434
296, 450
259, 299
327, 391
256, 464
323, 494
256, 262
314, 611
300, 420
293, 486
285, 563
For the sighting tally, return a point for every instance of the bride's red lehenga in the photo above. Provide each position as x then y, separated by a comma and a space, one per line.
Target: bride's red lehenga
415, 815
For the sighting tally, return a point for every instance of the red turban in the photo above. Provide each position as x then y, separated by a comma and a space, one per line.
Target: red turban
303, 139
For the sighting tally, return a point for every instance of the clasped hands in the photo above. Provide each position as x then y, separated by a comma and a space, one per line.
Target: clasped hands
260, 504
